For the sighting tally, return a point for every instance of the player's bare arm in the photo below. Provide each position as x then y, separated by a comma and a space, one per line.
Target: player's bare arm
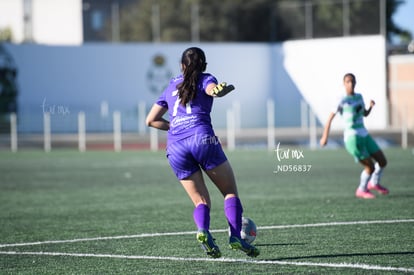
155, 118
325, 135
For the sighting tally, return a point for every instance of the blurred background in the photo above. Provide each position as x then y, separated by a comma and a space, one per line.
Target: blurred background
83, 73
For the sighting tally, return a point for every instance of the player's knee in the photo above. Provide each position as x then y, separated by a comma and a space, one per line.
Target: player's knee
382, 163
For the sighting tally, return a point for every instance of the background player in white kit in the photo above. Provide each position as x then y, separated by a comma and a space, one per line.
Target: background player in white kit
358, 141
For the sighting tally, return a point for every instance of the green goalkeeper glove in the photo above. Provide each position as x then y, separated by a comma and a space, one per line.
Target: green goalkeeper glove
222, 89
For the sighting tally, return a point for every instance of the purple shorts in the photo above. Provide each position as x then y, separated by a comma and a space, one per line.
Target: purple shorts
188, 155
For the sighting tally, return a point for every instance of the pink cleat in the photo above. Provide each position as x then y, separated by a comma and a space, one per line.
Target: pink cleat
379, 188
364, 194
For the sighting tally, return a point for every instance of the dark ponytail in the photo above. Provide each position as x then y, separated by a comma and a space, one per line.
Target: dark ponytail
194, 63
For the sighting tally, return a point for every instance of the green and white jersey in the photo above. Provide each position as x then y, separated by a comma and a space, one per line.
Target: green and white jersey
352, 109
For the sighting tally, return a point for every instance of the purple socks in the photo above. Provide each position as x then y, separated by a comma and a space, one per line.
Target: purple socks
233, 211
201, 216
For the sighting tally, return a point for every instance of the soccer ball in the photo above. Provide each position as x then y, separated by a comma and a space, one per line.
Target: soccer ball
249, 230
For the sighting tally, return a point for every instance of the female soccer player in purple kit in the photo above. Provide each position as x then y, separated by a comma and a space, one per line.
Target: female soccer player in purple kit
192, 145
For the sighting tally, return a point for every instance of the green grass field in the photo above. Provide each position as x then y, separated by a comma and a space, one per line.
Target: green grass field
66, 212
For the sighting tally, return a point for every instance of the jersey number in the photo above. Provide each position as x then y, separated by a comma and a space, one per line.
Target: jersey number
177, 103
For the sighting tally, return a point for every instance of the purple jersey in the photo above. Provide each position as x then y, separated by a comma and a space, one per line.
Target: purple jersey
192, 119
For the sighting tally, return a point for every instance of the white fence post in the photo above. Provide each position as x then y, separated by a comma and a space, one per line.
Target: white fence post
153, 139
46, 132
303, 114
13, 132
104, 108
270, 124
117, 131
237, 115
312, 129
404, 130
141, 117
231, 130
81, 132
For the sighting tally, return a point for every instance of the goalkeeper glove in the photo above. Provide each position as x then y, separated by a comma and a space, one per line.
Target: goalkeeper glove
222, 89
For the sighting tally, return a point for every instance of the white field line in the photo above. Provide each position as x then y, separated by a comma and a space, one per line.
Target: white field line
223, 260
149, 235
